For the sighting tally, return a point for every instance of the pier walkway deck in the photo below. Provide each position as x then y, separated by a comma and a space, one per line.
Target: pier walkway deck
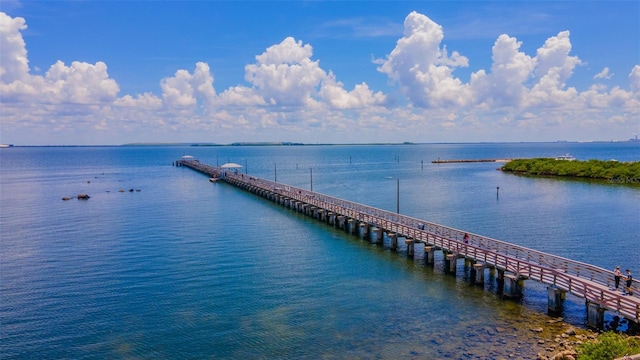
513, 263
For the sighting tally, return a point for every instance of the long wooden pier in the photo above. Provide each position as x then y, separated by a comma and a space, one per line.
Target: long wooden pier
449, 161
513, 263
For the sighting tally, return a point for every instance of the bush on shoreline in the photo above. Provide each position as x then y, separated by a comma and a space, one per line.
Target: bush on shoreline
614, 171
608, 346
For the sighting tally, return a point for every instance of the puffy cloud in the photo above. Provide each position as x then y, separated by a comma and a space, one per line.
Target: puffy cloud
424, 70
284, 74
604, 74
241, 96
361, 96
184, 89
80, 83
288, 92
553, 58
634, 79
553, 67
145, 101
14, 64
511, 68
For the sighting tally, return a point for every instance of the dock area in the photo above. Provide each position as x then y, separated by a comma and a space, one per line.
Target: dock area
484, 258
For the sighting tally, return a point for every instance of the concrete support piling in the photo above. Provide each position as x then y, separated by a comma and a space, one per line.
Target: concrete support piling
429, 255
351, 226
595, 315
556, 299
410, 247
450, 262
512, 286
363, 230
468, 263
393, 241
377, 235
479, 273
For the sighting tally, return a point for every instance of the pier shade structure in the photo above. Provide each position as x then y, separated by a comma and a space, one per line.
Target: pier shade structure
511, 264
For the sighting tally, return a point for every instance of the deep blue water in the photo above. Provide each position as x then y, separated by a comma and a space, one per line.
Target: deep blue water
184, 268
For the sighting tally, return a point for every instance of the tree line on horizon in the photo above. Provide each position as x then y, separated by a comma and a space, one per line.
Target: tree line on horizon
623, 172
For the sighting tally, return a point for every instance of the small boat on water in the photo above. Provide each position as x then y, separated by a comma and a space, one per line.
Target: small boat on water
566, 157
213, 179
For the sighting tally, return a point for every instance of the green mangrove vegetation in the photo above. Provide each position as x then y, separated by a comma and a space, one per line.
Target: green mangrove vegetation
613, 171
608, 346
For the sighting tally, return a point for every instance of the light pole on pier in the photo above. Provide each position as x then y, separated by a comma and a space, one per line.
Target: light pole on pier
275, 173
398, 195
311, 175
397, 192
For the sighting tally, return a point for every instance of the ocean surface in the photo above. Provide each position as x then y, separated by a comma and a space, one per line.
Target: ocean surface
176, 267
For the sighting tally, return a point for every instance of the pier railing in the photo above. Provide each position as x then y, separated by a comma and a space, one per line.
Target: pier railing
584, 280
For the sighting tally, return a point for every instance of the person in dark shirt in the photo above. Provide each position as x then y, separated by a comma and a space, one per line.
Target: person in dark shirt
629, 282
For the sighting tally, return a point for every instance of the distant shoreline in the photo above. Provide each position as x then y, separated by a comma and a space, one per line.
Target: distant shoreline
286, 143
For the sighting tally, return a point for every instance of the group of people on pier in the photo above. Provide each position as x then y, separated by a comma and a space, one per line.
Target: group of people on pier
617, 275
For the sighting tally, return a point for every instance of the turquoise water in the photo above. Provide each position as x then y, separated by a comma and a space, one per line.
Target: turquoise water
184, 268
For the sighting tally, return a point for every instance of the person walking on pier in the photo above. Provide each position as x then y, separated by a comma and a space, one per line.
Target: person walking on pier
629, 282
617, 275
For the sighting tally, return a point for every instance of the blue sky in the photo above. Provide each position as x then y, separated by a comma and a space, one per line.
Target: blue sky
104, 72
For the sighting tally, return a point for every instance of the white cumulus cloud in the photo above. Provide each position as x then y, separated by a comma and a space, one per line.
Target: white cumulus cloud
14, 64
79, 83
423, 69
511, 68
184, 89
285, 74
286, 93
604, 74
